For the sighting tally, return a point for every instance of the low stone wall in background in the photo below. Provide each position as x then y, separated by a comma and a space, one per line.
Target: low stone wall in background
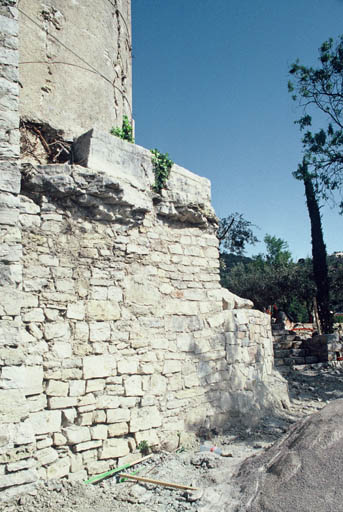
300, 346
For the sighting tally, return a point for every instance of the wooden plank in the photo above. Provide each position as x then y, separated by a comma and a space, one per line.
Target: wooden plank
158, 482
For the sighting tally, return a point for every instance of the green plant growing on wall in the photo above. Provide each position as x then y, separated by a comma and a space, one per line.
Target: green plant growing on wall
162, 165
144, 448
125, 132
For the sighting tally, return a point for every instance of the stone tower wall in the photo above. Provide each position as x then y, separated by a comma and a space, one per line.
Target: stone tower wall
75, 63
113, 326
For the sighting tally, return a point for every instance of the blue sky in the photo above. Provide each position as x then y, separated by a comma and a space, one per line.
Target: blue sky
210, 88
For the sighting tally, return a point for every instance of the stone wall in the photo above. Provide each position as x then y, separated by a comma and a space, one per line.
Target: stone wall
113, 326
126, 333
300, 346
75, 64
17, 440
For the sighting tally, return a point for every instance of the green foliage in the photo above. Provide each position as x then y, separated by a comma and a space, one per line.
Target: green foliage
234, 233
319, 91
125, 132
143, 447
162, 165
336, 283
277, 251
273, 278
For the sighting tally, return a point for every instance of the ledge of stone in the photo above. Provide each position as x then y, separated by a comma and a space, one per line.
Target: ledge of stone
113, 179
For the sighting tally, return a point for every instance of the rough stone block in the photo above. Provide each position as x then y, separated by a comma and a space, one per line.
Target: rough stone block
57, 388
22, 464
114, 448
76, 434
99, 432
10, 300
35, 315
127, 366
158, 384
46, 456
98, 366
88, 445
27, 378
117, 415
103, 310
138, 293
107, 402
150, 436
118, 429
96, 467
145, 418
75, 462
133, 386
77, 387
56, 330
59, 439
99, 331
44, 422
62, 402
76, 311
21, 433
13, 405
171, 366
58, 469
18, 478
95, 385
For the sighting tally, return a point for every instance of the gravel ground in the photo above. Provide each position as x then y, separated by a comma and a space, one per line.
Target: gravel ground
310, 388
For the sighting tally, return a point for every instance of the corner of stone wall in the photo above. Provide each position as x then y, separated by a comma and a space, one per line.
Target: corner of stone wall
17, 441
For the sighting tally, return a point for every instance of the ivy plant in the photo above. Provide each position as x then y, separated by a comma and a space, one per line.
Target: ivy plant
125, 132
162, 165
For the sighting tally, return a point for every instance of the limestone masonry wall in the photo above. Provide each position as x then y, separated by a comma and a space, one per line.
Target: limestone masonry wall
16, 437
126, 333
113, 326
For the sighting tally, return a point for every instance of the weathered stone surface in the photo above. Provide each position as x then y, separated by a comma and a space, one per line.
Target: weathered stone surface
46, 456
76, 434
127, 366
88, 445
48, 104
21, 433
103, 310
117, 415
58, 469
302, 471
133, 386
76, 311
114, 448
107, 402
99, 432
117, 429
18, 478
10, 300
29, 379
44, 422
56, 330
145, 418
98, 366
57, 388
13, 405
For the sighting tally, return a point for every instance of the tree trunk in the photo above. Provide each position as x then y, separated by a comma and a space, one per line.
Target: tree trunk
320, 267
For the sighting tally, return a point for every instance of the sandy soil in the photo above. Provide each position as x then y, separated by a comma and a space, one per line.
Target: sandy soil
310, 389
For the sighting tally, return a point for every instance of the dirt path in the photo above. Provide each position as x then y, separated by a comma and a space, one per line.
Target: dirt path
310, 389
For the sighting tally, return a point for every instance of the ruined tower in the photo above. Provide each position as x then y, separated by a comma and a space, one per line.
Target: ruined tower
75, 63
